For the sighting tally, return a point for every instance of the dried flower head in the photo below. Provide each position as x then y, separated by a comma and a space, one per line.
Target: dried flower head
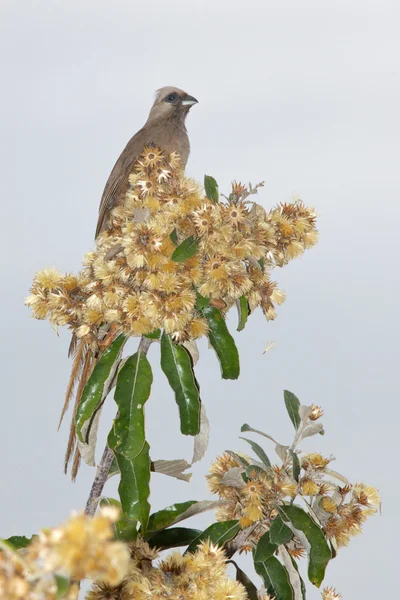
329, 593
130, 282
193, 576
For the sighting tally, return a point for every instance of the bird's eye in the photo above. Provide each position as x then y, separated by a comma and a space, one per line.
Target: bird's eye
171, 98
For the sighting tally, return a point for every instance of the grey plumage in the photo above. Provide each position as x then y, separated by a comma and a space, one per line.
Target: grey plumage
164, 128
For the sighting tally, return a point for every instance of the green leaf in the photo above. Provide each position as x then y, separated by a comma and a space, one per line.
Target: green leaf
258, 451
134, 486
211, 188
186, 249
253, 470
165, 517
218, 533
320, 552
264, 549
114, 469
62, 584
223, 343
279, 533
261, 262
174, 237
296, 465
243, 462
201, 301
243, 308
173, 537
124, 529
292, 406
153, 335
246, 582
16, 542
131, 393
276, 578
102, 375
177, 366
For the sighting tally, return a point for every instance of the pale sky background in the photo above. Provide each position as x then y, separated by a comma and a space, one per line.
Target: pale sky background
304, 95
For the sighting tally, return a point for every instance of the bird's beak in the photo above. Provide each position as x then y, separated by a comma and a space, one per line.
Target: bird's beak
189, 101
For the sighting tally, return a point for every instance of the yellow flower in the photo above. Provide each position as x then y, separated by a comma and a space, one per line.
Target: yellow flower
83, 548
328, 504
316, 412
309, 487
313, 460
130, 278
366, 495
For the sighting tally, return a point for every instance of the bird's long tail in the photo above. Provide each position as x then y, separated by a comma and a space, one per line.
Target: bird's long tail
82, 366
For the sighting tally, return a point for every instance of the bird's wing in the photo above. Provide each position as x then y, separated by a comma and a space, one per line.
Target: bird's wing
119, 177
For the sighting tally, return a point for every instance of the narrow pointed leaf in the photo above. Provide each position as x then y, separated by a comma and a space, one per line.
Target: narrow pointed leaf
167, 516
16, 542
211, 188
276, 578
303, 585
201, 440
98, 385
199, 507
186, 249
296, 465
246, 427
154, 335
172, 468
177, 366
243, 310
246, 582
201, 301
292, 406
279, 532
253, 471
264, 549
258, 451
313, 429
218, 533
240, 459
293, 572
134, 487
131, 393
124, 529
173, 537
319, 552
174, 237
62, 584
223, 343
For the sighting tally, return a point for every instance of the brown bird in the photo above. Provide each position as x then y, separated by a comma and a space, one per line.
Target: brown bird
165, 128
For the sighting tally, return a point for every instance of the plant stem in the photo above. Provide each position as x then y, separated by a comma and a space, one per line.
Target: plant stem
103, 468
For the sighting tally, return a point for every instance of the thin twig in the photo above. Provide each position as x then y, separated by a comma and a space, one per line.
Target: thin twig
103, 468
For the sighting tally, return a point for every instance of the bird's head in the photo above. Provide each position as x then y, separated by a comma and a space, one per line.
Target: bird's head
171, 103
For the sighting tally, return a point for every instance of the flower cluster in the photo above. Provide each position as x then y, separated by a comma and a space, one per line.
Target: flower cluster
82, 548
253, 492
195, 576
133, 283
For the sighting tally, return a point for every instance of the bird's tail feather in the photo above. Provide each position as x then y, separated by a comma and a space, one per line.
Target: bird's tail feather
77, 365
81, 371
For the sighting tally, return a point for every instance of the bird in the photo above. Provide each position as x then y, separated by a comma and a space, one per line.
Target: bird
165, 128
